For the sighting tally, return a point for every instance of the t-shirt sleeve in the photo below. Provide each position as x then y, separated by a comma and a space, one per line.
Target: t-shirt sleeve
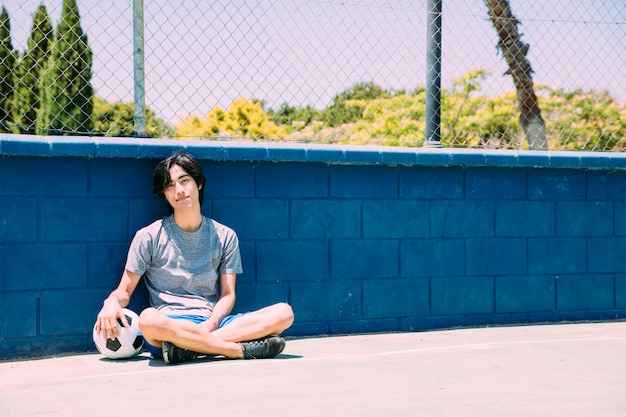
139, 254
231, 258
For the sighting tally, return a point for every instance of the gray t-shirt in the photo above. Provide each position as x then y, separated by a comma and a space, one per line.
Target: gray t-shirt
182, 269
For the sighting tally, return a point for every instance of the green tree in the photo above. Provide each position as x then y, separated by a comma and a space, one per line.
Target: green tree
287, 114
29, 72
8, 57
67, 93
117, 119
343, 110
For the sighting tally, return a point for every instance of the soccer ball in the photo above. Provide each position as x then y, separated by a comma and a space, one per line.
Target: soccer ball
127, 344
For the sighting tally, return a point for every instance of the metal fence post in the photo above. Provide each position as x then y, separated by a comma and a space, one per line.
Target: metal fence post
139, 70
433, 76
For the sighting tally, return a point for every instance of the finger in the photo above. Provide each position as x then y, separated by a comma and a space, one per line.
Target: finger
101, 327
123, 320
115, 330
110, 330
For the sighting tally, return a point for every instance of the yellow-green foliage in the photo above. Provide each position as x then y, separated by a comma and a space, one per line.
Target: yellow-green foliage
243, 119
583, 120
574, 120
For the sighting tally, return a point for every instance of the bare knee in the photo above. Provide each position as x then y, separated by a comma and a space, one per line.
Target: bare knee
151, 319
284, 314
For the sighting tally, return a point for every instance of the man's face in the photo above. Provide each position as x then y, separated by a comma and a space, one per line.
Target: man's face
182, 190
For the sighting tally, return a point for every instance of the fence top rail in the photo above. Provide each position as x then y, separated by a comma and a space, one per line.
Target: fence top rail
100, 147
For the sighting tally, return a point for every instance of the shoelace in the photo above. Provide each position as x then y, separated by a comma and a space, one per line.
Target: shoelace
256, 348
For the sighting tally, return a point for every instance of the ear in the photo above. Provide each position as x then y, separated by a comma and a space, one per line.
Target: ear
200, 187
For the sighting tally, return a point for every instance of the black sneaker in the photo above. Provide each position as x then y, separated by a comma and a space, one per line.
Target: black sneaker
174, 354
267, 347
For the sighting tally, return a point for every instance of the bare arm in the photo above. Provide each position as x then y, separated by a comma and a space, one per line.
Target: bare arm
225, 304
112, 307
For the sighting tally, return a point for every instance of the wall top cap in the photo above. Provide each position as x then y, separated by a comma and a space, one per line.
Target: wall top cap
101, 147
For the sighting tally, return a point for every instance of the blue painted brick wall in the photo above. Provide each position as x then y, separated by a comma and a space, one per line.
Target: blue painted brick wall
355, 239
537, 293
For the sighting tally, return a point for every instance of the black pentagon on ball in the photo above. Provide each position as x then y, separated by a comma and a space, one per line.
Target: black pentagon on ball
128, 319
113, 345
138, 341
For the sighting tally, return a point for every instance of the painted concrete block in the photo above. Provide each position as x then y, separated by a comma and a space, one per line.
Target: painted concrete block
327, 300
106, 263
606, 254
556, 184
620, 219
383, 298
584, 218
607, 185
345, 300
43, 266
145, 211
44, 177
228, 179
432, 257
496, 256
18, 219
70, 312
112, 177
291, 260
314, 219
247, 250
347, 181
310, 301
395, 219
254, 219
456, 295
18, 315
520, 294
431, 182
557, 255
620, 290
71, 219
495, 183
359, 259
365, 326
525, 218
585, 292
252, 297
291, 180
465, 218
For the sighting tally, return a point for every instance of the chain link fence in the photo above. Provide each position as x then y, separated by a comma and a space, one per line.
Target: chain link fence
321, 71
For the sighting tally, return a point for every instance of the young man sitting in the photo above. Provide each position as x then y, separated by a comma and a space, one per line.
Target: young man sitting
183, 258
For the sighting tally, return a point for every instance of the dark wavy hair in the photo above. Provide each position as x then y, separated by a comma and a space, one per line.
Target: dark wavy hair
161, 177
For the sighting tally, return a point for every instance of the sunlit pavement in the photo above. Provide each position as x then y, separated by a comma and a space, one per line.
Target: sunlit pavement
553, 370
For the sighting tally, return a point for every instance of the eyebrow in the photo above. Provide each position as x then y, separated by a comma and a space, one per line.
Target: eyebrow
182, 176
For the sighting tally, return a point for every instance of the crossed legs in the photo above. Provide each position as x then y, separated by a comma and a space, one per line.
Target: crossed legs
157, 328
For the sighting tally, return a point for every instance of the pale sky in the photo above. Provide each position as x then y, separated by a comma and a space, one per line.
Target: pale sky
200, 54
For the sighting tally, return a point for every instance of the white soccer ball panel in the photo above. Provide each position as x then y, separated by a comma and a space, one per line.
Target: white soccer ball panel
128, 343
